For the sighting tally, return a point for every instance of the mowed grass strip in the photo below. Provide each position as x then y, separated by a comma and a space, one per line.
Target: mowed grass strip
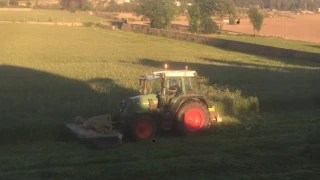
52, 15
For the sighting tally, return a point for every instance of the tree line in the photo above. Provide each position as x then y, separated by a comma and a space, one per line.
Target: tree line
162, 12
112, 6
13, 3
284, 5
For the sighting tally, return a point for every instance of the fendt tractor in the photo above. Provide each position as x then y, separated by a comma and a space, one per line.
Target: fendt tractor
175, 106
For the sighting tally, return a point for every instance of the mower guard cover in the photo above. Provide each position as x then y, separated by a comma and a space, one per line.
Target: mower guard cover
98, 140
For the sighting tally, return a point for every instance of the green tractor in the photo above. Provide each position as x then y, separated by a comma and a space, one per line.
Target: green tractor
175, 106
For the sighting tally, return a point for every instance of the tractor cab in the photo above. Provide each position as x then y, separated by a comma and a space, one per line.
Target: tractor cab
177, 82
171, 80
168, 85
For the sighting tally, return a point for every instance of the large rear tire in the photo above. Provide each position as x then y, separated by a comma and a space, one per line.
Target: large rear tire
143, 127
192, 117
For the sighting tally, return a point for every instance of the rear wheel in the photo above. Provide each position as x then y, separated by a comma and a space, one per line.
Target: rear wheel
192, 117
143, 128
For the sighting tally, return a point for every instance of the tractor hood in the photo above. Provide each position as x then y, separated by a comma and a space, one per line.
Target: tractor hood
147, 96
140, 103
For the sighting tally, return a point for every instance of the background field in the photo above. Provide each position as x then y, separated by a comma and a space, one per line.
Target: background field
298, 27
295, 27
49, 75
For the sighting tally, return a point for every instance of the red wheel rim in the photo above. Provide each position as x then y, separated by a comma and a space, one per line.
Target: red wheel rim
193, 120
144, 129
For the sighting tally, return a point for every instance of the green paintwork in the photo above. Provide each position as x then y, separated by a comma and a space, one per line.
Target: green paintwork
141, 103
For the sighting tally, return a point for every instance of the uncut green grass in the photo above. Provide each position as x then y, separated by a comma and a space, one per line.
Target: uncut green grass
276, 42
275, 147
49, 75
44, 15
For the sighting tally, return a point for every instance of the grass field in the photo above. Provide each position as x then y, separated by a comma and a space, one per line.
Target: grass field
49, 75
276, 42
44, 15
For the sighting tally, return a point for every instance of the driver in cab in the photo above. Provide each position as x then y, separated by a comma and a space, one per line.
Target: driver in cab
174, 88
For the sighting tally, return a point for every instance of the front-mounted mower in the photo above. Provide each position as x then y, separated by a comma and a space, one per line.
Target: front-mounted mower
175, 106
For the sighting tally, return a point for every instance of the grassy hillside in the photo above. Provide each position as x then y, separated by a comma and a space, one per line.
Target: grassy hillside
44, 15
49, 75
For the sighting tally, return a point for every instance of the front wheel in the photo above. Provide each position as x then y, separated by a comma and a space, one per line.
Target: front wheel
143, 127
192, 117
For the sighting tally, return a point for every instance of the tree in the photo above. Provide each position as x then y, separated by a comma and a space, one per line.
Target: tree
36, 5
160, 12
200, 16
223, 8
13, 3
208, 26
28, 3
256, 19
194, 18
292, 5
85, 5
3, 3
73, 5
113, 6
207, 8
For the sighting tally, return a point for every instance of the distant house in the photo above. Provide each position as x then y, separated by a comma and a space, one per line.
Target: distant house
226, 21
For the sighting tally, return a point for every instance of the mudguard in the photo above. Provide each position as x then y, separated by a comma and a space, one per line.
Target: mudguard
176, 103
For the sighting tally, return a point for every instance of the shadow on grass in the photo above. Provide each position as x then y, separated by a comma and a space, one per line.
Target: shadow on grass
314, 46
35, 104
257, 66
311, 61
282, 90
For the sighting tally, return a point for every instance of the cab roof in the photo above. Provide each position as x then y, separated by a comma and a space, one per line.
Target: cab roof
172, 73
177, 73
